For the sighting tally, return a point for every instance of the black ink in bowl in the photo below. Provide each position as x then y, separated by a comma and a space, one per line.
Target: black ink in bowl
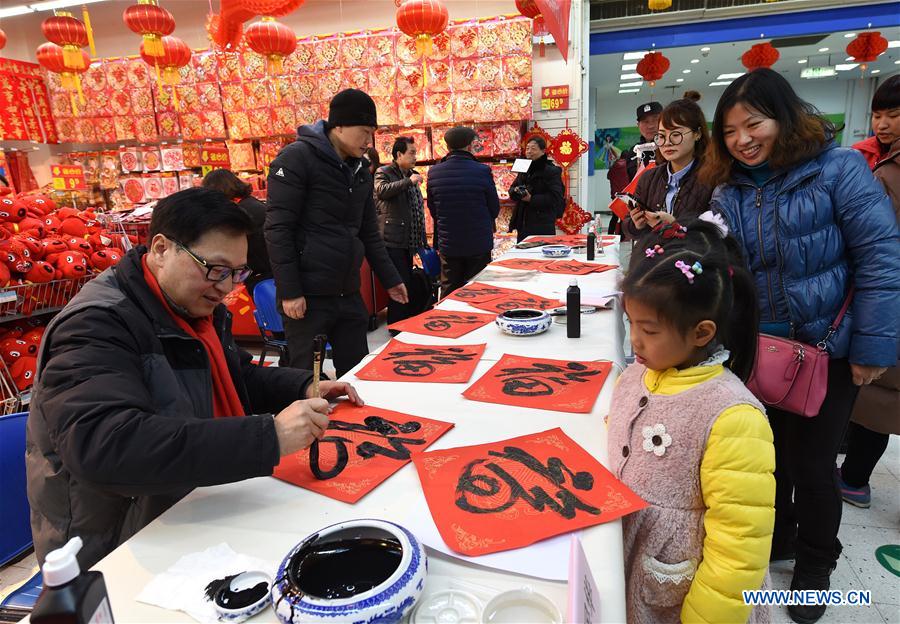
340, 567
239, 590
522, 315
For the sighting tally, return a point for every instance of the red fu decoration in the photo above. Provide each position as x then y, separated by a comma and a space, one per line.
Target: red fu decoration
530, 9
653, 67
69, 34
760, 55
867, 47
152, 22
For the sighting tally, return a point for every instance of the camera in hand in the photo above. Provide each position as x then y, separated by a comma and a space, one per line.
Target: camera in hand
521, 190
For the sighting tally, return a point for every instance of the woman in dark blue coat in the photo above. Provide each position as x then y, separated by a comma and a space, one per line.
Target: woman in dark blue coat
812, 221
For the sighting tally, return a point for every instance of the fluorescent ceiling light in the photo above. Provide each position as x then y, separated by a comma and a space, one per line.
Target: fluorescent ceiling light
823, 49
802, 61
20, 9
625, 85
706, 49
846, 66
680, 80
629, 67
694, 61
628, 90
894, 44
729, 76
685, 71
875, 71
59, 4
630, 76
634, 56
849, 35
723, 83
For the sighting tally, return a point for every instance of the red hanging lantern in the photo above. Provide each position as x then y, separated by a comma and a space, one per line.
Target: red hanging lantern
2, 39
653, 67
68, 33
152, 22
176, 54
530, 9
52, 58
422, 20
867, 47
760, 55
226, 27
272, 40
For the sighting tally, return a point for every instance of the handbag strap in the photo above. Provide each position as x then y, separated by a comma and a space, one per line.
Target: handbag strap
832, 329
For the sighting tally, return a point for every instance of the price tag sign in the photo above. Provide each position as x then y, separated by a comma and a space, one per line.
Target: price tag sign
67, 177
555, 98
213, 157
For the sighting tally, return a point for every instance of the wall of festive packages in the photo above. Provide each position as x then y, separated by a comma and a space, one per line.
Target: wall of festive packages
479, 72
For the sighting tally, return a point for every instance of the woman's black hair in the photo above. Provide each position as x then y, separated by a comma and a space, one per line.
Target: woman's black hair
226, 182
723, 293
887, 95
539, 141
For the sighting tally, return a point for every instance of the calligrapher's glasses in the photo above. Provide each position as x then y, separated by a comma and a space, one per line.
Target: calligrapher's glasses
218, 272
675, 138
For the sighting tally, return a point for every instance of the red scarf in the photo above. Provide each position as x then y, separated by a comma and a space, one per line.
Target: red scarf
226, 401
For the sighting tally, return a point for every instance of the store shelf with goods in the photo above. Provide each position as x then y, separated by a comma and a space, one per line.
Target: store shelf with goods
27, 300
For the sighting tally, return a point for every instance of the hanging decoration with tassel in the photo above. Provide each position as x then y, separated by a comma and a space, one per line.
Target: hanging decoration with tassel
867, 47
2, 39
86, 18
653, 67
176, 54
422, 20
152, 22
52, 58
69, 34
529, 9
273, 41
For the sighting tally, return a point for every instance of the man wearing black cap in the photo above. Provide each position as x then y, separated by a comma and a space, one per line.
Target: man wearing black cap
320, 223
627, 164
463, 202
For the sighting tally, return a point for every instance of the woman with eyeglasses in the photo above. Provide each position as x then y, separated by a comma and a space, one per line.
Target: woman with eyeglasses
816, 230
671, 190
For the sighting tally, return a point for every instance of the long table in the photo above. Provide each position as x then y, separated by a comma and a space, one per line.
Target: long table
266, 517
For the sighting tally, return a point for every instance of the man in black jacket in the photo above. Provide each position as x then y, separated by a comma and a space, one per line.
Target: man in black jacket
401, 218
463, 202
320, 223
648, 125
539, 194
142, 395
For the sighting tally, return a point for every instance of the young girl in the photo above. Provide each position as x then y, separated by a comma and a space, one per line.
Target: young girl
688, 437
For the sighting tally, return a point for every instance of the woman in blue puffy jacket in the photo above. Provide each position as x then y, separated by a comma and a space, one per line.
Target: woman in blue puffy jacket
812, 221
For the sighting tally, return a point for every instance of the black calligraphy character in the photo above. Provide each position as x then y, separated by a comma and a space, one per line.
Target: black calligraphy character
538, 379
374, 426
474, 293
563, 501
443, 322
423, 361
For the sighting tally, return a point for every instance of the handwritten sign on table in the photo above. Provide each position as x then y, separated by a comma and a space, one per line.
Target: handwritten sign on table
400, 361
476, 292
559, 385
444, 323
522, 264
508, 494
518, 299
571, 267
362, 447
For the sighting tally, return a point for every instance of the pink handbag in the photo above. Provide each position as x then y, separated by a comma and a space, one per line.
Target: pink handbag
792, 375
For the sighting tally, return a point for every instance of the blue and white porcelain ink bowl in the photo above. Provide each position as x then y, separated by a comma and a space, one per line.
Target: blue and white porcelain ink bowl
556, 251
364, 571
523, 322
230, 599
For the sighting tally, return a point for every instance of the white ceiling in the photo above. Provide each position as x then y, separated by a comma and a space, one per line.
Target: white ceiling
725, 58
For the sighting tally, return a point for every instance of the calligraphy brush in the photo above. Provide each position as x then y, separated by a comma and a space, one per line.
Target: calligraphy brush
318, 353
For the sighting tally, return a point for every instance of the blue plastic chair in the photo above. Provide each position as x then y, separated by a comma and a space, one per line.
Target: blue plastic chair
15, 538
20, 601
268, 318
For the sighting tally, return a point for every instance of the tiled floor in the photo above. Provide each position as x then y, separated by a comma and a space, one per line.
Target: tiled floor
862, 531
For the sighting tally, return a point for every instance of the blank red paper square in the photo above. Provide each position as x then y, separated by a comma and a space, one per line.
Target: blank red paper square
477, 292
362, 447
400, 361
517, 299
444, 323
508, 494
558, 385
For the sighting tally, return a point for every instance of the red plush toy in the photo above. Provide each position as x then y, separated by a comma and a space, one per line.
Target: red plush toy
53, 245
12, 210
15, 256
79, 244
23, 372
73, 226
12, 349
5, 275
34, 336
31, 244
41, 273
52, 224
71, 265
102, 259
65, 213
40, 203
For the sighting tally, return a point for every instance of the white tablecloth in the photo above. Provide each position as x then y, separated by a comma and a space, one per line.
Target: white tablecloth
265, 517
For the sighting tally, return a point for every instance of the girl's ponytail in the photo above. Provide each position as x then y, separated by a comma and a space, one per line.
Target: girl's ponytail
743, 328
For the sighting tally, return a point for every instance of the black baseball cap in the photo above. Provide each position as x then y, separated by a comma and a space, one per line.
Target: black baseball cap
650, 108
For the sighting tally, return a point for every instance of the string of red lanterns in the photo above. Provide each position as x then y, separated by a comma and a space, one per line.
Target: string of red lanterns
273, 40
867, 47
152, 22
52, 58
653, 67
176, 54
70, 34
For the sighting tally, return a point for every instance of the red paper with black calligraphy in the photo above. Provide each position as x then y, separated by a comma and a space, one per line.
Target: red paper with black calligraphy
557, 385
362, 447
476, 292
512, 493
573, 267
521, 264
444, 323
518, 299
401, 361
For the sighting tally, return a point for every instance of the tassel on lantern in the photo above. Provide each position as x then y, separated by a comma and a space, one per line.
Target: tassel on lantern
90, 31
72, 57
424, 44
153, 45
